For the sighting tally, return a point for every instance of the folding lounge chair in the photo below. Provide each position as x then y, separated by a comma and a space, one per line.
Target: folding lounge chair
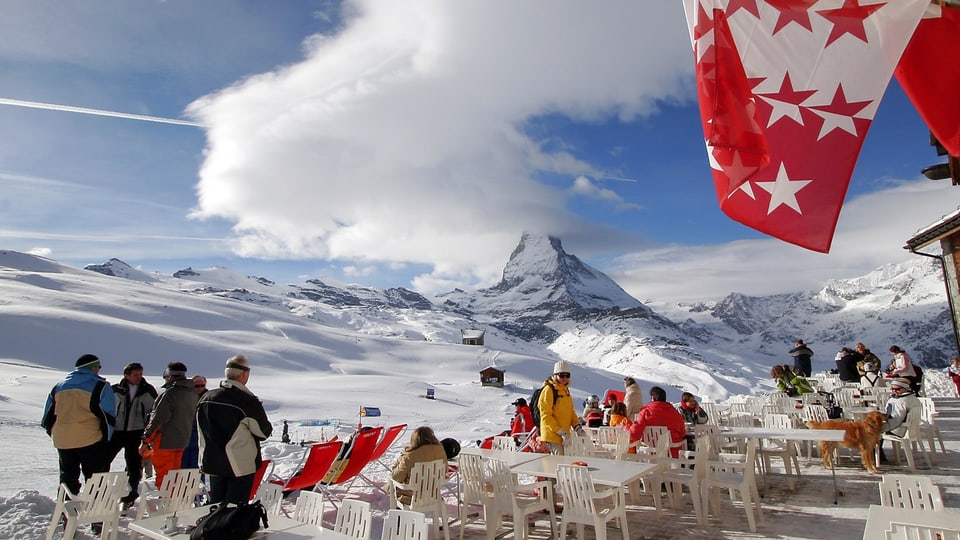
315, 466
389, 437
360, 450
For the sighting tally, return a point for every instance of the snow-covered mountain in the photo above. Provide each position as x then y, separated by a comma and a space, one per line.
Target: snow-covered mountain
548, 305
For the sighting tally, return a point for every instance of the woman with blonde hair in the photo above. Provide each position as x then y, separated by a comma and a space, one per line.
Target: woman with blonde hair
424, 446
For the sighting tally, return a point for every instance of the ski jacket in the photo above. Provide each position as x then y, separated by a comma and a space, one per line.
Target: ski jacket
134, 412
173, 415
633, 399
619, 420
659, 413
897, 409
75, 415
556, 416
522, 421
902, 366
695, 415
231, 422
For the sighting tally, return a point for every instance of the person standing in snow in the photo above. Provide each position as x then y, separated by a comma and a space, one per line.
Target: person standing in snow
135, 398
558, 419
79, 416
522, 418
801, 358
168, 431
232, 423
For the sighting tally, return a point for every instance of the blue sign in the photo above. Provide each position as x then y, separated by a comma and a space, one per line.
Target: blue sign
370, 411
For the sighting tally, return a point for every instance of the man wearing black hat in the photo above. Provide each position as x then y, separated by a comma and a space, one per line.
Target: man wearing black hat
135, 397
522, 419
79, 416
168, 431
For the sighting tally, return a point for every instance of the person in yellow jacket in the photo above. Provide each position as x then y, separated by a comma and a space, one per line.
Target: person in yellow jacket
558, 419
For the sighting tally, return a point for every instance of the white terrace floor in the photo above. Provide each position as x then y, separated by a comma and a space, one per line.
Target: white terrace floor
807, 512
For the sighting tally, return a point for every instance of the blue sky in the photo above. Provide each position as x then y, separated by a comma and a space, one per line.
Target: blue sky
403, 144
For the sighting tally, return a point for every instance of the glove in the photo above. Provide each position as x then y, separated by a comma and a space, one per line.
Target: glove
579, 429
562, 433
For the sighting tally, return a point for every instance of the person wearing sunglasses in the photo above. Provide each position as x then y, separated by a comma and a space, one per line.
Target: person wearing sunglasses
558, 419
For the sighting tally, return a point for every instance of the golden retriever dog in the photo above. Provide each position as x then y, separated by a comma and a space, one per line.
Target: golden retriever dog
863, 434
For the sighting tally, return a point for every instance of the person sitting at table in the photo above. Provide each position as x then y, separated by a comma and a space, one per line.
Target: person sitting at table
659, 413
618, 415
592, 414
690, 410
424, 446
789, 382
901, 402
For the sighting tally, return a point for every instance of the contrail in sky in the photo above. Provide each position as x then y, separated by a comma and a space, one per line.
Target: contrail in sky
97, 112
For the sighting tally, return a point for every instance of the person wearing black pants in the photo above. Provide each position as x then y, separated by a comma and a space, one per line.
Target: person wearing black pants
135, 398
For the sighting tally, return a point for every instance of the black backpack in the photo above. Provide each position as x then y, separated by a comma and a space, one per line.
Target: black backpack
535, 400
230, 522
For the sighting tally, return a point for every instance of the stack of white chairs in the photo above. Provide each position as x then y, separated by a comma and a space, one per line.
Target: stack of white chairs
734, 473
584, 505
98, 502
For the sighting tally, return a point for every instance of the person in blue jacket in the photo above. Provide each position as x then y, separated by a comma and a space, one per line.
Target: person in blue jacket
79, 416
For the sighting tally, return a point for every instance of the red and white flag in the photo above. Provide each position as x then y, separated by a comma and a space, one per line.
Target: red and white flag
787, 91
929, 72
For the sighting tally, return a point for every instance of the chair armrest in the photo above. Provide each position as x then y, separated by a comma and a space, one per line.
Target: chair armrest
544, 484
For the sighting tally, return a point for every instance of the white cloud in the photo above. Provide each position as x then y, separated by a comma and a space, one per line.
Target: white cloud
871, 232
400, 138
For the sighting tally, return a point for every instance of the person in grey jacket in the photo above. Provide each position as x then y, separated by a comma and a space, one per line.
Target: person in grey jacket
168, 431
135, 397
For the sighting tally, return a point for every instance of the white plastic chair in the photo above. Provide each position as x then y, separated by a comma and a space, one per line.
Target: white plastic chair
928, 425
479, 491
734, 476
271, 497
178, 492
813, 413
714, 416
679, 472
353, 519
526, 499
908, 491
783, 449
404, 525
907, 442
99, 501
426, 478
909, 531
503, 442
578, 445
584, 505
309, 508
653, 434
497, 492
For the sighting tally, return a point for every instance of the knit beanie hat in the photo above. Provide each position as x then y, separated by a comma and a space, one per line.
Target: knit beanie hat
901, 383
87, 361
561, 367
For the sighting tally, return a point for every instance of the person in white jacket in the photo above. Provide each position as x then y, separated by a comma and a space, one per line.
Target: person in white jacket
633, 397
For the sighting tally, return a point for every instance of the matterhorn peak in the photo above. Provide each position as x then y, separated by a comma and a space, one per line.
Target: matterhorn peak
541, 274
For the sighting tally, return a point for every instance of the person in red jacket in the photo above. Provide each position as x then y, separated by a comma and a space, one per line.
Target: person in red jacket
659, 413
522, 420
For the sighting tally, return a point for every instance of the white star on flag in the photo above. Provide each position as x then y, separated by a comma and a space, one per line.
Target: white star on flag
783, 191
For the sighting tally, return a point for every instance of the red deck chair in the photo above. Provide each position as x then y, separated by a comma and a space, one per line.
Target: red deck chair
265, 465
389, 437
360, 451
315, 466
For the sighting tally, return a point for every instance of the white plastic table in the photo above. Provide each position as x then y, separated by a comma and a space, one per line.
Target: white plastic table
281, 528
834, 435
603, 471
511, 458
880, 519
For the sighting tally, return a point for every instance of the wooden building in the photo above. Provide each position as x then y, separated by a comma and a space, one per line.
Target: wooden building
491, 376
946, 233
472, 337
